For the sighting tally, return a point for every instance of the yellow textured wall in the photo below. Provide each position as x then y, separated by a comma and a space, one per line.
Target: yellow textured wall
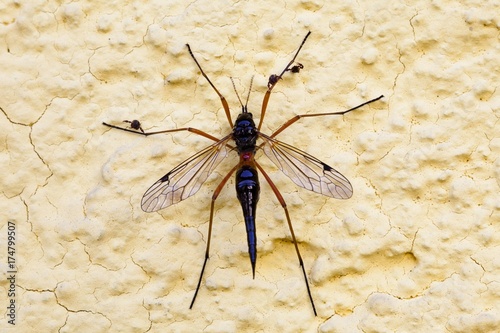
416, 249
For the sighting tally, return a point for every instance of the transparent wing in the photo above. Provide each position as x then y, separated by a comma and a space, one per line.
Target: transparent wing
305, 170
186, 178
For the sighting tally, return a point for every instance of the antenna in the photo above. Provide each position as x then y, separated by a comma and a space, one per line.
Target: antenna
243, 107
249, 90
234, 87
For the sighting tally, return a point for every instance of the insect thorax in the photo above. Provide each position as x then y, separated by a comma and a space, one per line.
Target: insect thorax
245, 133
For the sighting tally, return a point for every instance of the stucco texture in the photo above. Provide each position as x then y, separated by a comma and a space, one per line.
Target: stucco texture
417, 247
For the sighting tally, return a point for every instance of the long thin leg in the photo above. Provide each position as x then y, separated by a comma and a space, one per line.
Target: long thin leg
297, 117
275, 80
283, 204
189, 129
222, 98
207, 251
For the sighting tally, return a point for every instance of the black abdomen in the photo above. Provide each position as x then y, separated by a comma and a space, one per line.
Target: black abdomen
247, 190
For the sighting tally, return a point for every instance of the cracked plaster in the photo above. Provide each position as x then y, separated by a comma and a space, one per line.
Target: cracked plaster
414, 250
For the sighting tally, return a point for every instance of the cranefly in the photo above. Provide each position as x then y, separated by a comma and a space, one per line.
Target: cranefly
303, 169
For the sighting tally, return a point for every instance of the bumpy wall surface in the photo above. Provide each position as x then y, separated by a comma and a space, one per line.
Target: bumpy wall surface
416, 249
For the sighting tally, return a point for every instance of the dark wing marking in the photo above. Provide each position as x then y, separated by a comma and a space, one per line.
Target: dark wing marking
185, 179
305, 170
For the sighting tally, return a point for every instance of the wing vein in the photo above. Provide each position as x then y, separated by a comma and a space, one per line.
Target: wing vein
186, 178
306, 170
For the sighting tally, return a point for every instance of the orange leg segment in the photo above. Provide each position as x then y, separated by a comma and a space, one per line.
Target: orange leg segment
275, 80
283, 204
210, 223
222, 98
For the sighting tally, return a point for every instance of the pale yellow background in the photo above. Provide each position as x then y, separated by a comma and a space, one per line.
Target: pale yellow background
416, 249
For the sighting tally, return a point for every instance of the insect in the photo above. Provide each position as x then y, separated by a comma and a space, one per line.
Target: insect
296, 68
135, 124
303, 169
273, 78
